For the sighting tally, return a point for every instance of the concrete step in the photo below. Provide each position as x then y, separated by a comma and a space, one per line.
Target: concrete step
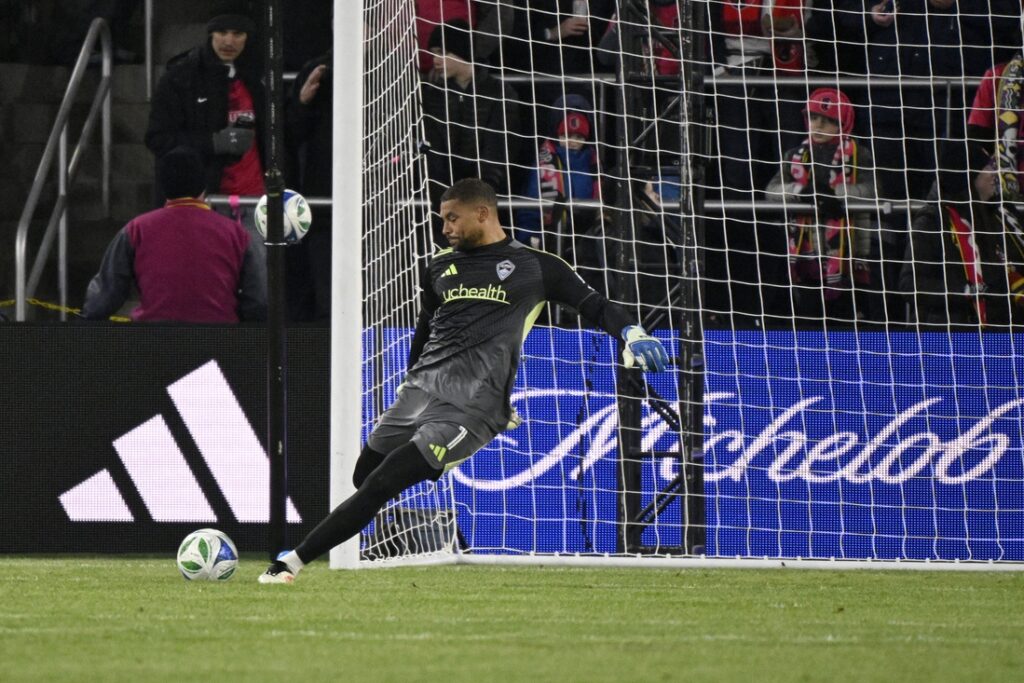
14, 196
131, 189
32, 122
128, 161
131, 162
40, 83
127, 200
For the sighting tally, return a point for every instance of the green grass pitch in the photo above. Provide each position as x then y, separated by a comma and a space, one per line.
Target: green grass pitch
136, 619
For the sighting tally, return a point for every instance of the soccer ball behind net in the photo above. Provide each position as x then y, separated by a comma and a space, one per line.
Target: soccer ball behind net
207, 555
297, 216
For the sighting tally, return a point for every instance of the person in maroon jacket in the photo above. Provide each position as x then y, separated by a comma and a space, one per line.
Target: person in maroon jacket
190, 264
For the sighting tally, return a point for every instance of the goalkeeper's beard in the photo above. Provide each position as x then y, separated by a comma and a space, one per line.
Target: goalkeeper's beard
467, 241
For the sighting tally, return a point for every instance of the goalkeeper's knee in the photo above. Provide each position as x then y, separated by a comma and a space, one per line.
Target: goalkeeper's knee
368, 461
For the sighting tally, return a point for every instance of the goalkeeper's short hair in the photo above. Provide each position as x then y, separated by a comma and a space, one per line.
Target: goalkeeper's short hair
471, 191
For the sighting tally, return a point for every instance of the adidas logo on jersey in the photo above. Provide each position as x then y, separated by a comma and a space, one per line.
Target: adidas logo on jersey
158, 469
450, 270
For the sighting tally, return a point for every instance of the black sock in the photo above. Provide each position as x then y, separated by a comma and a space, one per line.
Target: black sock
402, 468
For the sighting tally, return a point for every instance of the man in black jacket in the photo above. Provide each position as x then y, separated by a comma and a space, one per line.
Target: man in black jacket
211, 99
471, 119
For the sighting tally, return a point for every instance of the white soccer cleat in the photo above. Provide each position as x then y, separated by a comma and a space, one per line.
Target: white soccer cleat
277, 572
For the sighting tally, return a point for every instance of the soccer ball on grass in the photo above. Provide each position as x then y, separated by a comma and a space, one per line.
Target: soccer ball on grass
297, 216
207, 555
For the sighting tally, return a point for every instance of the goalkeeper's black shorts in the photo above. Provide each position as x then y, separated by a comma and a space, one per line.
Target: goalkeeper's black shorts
443, 433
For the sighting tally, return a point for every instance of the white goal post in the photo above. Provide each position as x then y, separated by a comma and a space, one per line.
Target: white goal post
805, 233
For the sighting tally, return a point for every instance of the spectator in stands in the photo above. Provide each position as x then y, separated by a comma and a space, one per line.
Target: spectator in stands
211, 98
828, 247
310, 124
489, 19
189, 263
558, 36
471, 119
927, 39
956, 270
1000, 91
566, 169
664, 18
648, 35
751, 40
755, 123
554, 38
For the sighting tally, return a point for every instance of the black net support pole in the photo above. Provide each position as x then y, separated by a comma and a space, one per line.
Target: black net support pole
624, 237
691, 351
691, 390
662, 105
277, 368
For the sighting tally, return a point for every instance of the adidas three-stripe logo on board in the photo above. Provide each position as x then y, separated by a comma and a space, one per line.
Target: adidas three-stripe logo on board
158, 469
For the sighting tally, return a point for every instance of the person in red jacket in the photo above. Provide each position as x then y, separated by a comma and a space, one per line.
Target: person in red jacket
190, 264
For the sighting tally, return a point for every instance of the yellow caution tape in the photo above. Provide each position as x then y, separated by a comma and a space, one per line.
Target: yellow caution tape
60, 309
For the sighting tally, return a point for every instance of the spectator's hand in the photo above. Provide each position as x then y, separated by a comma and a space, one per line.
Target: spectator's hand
884, 13
573, 26
233, 141
312, 84
644, 350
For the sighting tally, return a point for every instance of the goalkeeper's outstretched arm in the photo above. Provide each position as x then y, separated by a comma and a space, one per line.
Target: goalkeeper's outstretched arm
564, 286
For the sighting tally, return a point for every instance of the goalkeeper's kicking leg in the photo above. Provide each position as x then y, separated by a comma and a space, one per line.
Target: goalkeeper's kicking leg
421, 437
400, 469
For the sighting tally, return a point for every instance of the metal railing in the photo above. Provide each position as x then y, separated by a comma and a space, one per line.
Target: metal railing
57, 145
148, 23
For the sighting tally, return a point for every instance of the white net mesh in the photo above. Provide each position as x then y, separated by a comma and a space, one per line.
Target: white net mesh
813, 204
394, 229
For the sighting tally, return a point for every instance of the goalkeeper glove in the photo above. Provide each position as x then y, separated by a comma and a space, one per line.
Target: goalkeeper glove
643, 349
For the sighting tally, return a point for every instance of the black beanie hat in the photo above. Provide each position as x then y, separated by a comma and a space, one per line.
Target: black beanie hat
230, 15
180, 173
453, 38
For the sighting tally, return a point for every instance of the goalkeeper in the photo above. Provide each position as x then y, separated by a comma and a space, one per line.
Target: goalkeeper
479, 299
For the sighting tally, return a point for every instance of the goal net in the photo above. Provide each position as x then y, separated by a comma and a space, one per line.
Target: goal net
816, 210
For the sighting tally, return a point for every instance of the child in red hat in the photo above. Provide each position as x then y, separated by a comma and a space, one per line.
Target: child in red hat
828, 245
566, 170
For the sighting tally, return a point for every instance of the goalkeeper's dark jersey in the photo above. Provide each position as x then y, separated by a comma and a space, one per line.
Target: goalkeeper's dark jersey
477, 307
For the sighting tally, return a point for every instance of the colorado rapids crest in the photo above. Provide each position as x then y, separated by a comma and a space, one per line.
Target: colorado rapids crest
505, 269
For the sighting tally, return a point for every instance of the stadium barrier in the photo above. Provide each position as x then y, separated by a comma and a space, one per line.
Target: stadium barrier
123, 438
